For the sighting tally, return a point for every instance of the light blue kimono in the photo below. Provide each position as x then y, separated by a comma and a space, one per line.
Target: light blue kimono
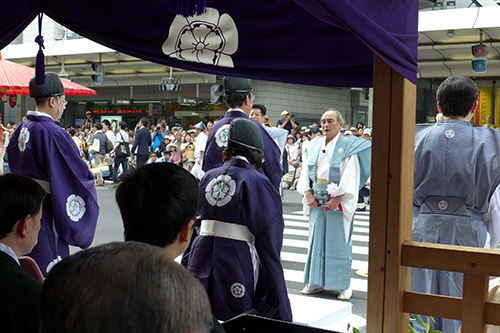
329, 256
457, 169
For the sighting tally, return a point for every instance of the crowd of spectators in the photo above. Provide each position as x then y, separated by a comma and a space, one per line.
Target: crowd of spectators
168, 144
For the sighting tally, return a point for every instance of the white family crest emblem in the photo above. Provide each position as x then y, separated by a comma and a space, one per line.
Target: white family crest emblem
208, 38
220, 190
238, 290
24, 137
222, 135
75, 207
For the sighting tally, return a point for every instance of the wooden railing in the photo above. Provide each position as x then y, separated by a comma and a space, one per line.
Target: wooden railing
477, 264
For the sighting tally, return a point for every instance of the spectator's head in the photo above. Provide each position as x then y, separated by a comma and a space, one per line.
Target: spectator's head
360, 126
122, 125
106, 124
245, 139
144, 121
98, 126
331, 123
72, 131
210, 125
284, 114
88, 114
158, 203
258, 112
367, 134
123, 287
200, 127
457, 96
20, 212
153, 157
238, 93
314, 132
178, 136
291, 139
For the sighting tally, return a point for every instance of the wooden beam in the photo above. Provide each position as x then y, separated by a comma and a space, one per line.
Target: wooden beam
433, 305
473, 260
391, 205
492, 310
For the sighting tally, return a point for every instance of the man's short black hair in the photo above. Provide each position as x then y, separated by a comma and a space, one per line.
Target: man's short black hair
122, 124
98, 126
235, 100
124, 287
20, 196
106, 122
456, 96
144, 121
261, 107
156, 201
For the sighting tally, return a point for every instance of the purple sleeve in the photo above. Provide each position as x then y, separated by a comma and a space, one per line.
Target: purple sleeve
73, 194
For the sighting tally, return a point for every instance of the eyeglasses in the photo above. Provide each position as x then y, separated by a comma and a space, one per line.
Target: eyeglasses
64, 101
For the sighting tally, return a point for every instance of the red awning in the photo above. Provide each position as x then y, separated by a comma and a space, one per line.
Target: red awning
15, 78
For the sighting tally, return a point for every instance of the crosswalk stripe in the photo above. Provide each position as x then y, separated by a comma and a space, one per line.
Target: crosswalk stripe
298, 276
301, 258
297, 232
360, 229
304, 244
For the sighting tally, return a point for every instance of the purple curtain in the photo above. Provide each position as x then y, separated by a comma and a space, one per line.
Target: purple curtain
319, 42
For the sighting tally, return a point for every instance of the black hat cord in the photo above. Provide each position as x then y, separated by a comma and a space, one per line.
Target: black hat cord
40, 58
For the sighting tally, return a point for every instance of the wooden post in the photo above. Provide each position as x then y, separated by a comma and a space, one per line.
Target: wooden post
473, 305
391, 198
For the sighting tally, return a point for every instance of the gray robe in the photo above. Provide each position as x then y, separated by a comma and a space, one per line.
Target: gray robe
457, 169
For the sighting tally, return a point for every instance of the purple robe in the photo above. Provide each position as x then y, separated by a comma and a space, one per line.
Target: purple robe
224, 266
217, 142
42, 150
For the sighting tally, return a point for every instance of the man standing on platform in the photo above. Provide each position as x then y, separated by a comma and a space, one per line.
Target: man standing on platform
42, 150
340, 162
457, 171
239, 98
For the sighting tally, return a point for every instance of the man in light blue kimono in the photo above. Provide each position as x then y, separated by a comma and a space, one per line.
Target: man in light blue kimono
457, 170
42, 150
344, 161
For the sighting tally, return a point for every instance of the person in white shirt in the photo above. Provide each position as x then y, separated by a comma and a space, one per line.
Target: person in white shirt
199, 150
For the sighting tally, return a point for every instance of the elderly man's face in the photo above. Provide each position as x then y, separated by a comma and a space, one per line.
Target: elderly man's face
329, 124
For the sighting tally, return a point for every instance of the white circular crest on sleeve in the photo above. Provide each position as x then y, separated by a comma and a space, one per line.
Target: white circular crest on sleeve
208, 38
222, 135
220, 190
75, 207
238, 290
24, 137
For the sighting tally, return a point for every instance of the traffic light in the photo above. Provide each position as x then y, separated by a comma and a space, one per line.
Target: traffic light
98, 78
479, 58
215, 94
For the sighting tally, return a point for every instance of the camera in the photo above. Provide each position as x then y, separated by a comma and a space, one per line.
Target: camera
291, 115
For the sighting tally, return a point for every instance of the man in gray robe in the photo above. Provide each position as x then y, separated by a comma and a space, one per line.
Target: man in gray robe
457, 170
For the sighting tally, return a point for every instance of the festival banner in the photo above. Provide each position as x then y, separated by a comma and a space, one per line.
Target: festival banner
484, 110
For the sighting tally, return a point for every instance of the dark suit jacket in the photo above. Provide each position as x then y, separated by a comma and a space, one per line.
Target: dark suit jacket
142, 140
19, 297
